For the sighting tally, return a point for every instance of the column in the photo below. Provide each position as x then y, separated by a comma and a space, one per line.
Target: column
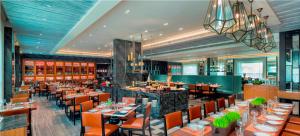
18, 66
8, 43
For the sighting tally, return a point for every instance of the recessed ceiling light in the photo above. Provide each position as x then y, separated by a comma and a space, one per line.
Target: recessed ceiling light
160, 34
44, 19
104, 26
90, 35
99, 48
165, 24
127, 11
180, 28
146, 31
49, 6
41, 34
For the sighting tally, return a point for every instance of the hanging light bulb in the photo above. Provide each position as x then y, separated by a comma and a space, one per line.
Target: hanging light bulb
252, 38
261, 29
238, 31
219, 17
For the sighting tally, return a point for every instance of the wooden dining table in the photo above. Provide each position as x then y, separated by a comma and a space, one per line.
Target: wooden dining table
249, 129
115, 110
19, 106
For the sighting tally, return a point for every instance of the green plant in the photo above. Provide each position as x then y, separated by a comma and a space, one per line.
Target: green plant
221, 122
258, 101
257, 82
224, 121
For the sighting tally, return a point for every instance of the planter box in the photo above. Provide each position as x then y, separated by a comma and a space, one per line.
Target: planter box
224, 131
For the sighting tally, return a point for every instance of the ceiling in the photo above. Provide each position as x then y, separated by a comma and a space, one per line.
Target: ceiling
171, 29
40, 25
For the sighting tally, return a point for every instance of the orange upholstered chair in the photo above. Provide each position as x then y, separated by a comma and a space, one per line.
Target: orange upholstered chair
85, 106
26, 111
209, 107
139, 123
128, 100
285, 133
192, 90
206, 91
194, 113
75, 108
292, 128
172, 120
18, 100
295, 120
20, 95
93, 125
103, 97
231, 100
221, 104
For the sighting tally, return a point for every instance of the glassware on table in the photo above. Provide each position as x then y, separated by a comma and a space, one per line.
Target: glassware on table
239, 131
254, 114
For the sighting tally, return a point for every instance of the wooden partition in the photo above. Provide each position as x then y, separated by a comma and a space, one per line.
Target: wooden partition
266, 91
50, 70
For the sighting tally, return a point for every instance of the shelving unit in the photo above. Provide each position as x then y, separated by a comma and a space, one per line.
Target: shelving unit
44, 70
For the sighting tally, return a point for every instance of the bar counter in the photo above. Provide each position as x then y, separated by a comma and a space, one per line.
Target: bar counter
263, 90
14, 125
166, 102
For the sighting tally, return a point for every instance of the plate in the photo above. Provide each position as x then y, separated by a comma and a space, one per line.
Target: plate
261, 134
279, 113
93, 110
16, 108
273, 117
273, 122
203, 122
123, 111
106, 110
285, 105
132, 104
266, 128
127, 108
280, 110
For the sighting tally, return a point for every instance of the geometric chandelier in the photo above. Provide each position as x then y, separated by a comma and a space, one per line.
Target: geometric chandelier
261, 30
268, 41
219, 17
238, 31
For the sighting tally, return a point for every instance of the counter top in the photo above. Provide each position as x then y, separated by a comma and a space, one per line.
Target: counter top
13, 122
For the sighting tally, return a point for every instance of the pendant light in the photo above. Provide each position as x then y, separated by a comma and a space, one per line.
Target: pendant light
219, 17
261, 29
268, 41
238, 31
252, 38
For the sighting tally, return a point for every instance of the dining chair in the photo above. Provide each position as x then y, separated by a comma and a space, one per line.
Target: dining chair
172, 120
221, 104
93, 125
26, 111
139, 124
75, 108
295, 120
207, 92
209, 107
20, 95
18, 100
286, 133
192, 90
194, 113
103, 97
84, 107
231, 100
66, 102
292, 128
127, 101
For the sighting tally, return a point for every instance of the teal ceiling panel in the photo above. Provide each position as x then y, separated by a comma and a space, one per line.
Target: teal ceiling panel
41, 24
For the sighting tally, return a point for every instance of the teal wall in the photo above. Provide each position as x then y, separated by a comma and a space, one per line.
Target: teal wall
230, 84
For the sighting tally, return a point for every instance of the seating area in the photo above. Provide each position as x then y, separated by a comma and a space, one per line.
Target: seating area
149, 68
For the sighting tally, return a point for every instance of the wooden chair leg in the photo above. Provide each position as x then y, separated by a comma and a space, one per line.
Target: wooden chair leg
150, 130
74, 117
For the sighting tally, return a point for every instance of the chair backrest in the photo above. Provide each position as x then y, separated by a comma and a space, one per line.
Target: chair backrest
172, 84
231, 100
104, 97
192, 87
85, 106
81, 99
194, 113
147, 114
21, 99
20, 95
209, 108
128, 100
93, 120
221, 103
205, 87
172, 120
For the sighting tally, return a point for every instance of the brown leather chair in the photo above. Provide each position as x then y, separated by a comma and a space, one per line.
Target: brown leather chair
292, 128
18, 100
231, 100
209, 107
26, 111
172, 120
93, 125
192, 90
221, 104
295, 120
75, 108
194, 113
139, 124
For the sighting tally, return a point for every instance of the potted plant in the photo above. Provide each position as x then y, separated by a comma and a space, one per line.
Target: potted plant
224, 125
257, 82
256, 103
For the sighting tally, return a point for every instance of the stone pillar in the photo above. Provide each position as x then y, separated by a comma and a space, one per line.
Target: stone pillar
8, 43
121, 67
1, 57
